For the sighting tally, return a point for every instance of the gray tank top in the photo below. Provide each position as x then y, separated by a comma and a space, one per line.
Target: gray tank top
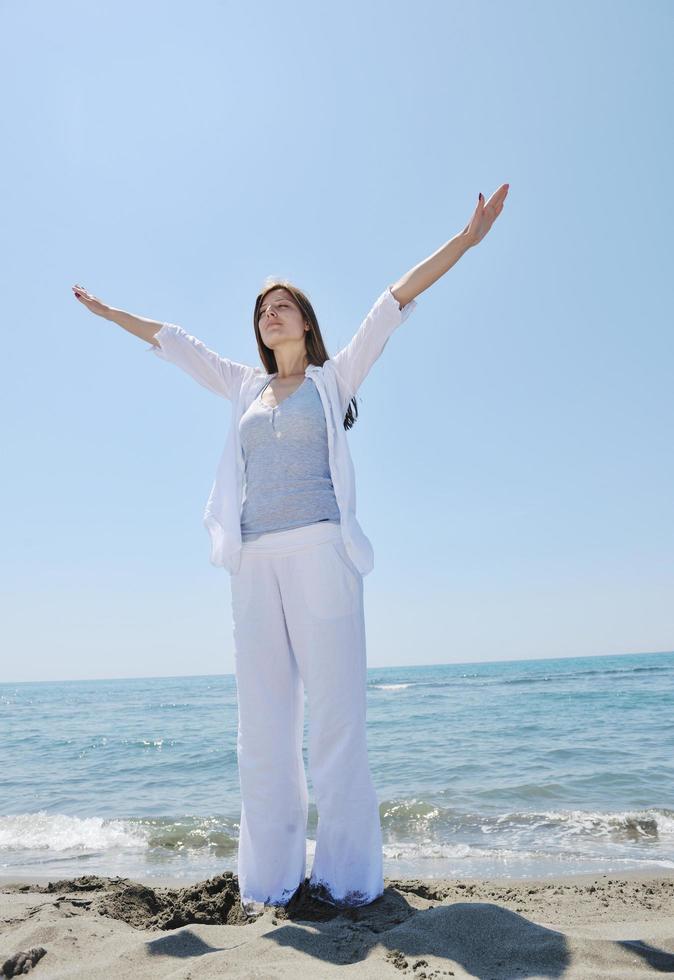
287, 472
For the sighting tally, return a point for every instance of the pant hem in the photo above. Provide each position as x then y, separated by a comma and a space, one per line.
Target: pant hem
254, 906
353, 899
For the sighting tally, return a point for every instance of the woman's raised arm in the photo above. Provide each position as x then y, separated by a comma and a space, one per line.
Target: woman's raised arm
427, 272
139, 326
354, 361
171, 343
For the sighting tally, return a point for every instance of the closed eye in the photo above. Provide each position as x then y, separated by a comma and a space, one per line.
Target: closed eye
287, 305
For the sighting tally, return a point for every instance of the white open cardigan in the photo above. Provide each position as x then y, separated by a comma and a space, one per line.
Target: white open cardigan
337, 381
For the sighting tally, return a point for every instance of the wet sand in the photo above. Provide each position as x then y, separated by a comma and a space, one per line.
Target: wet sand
617, 926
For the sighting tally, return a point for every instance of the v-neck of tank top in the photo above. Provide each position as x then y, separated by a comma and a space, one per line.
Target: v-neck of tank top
271, 408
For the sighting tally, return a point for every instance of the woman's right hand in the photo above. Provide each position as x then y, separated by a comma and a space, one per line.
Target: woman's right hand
91, 302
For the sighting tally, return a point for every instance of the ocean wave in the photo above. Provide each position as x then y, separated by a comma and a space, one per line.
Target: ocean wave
150, 743
60, 832
389, 687
592, 672
480, 680
651, 823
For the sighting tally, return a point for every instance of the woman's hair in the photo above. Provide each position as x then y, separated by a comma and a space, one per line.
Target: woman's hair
316, 351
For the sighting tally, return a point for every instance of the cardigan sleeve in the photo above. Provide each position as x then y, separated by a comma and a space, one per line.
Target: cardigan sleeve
219, 374
354, 361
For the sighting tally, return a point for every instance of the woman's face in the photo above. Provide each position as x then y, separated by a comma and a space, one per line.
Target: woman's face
280, 319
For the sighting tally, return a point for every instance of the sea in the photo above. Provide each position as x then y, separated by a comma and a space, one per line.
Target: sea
527, 768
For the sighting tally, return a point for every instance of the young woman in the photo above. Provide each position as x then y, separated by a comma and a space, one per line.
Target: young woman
281, 517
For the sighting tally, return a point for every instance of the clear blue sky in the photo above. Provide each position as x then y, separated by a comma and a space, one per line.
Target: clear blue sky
514, 447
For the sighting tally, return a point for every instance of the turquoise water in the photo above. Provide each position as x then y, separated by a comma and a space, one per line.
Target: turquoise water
539, 767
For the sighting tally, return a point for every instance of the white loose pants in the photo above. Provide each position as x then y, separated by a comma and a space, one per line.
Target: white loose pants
297, 604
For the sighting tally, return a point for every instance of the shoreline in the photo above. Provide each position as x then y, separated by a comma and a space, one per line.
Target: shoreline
573, 878
583, 926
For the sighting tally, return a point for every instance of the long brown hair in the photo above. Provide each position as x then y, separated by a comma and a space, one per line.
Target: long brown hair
316, 350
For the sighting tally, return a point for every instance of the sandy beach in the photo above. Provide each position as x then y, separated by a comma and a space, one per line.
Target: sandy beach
617, 926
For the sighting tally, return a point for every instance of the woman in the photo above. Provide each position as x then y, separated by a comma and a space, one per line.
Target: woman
281, 517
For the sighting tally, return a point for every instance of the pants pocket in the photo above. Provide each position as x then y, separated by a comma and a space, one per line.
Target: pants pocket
343, 555
329, 583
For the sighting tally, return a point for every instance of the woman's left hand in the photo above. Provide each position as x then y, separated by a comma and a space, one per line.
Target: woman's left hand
485, 215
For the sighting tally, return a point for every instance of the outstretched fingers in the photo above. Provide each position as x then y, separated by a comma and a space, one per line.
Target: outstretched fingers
495, 202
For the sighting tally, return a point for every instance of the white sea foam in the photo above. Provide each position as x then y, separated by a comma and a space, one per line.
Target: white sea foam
60, 832
644, 823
